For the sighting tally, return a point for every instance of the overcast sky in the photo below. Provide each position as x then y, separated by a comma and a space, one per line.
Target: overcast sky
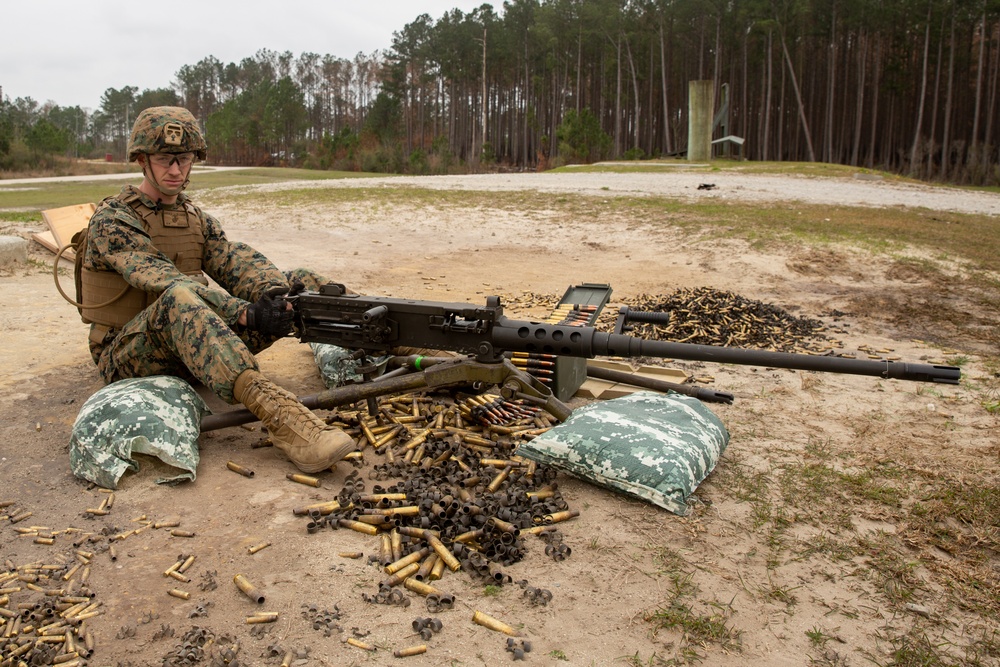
71, 51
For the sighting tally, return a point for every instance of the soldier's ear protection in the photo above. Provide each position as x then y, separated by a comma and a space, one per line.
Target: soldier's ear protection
173, 134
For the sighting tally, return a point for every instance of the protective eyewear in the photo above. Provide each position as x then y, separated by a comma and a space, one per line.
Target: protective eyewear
167, 161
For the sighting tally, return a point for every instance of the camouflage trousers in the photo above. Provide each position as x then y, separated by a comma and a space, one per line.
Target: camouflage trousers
180, 335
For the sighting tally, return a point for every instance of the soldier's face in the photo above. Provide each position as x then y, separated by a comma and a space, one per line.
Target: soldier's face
170, 170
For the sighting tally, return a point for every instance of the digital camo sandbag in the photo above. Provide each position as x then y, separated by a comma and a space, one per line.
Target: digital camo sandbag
159, 416
657, 447
337, 365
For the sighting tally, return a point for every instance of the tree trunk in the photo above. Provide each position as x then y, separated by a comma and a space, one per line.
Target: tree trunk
949, 92
923, 94
766, 144
859, 111
974, 142
798, 98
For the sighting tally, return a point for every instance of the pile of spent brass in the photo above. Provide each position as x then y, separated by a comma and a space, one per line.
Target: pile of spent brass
44, 605
450, 493
706, 316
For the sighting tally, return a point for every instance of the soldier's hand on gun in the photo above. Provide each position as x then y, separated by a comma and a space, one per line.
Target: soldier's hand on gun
271, 315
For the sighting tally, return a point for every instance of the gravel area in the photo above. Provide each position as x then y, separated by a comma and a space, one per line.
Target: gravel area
862, 190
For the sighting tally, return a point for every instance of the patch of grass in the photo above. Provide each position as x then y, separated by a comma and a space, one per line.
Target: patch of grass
818, 637
887, 565
490, 590
915, 649
703, 629
23, 217
696, 629
558, 654
668, 560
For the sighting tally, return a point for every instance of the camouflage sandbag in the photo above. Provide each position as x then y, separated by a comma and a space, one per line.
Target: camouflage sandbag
337, 367
159, 416
657, 447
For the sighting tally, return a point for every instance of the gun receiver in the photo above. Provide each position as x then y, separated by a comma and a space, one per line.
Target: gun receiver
377, 324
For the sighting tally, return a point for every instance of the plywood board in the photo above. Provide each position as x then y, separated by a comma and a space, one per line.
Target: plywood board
605, 389
48, 240
68, 220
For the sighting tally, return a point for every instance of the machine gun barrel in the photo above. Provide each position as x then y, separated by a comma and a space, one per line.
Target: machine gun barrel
589, 342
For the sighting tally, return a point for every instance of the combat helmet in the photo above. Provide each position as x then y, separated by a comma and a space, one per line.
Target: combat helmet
166, 130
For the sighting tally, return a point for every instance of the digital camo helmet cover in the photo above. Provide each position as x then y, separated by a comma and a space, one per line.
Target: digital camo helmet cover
166, 130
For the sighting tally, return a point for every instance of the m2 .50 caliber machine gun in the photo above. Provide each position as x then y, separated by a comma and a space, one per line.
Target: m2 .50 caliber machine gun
378, 325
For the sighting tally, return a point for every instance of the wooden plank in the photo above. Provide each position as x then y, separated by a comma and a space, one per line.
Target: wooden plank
66, 221
603, 389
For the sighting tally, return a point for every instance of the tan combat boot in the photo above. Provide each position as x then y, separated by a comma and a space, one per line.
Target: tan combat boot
309, 442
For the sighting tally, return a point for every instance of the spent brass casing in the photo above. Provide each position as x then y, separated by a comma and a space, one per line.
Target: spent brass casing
177, 593
503, 526
437, 570
420, 587
237, 468
263, 617
303, 479
414, 557
396, 540
413, 531
378, 497
358, 526
400, 575
565, 515
388, 437
180, 561
350, 554
476, 440
410, 650
501, 463
468, 536
385, 549
442, 551
188, 562
323, 508
248, 589
182, 533
377, 520
369, 436
488, 621
426, 565
254, 549
499, 479
178, 576
357, 643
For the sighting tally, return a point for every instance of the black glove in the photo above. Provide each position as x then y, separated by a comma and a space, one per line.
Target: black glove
270, 315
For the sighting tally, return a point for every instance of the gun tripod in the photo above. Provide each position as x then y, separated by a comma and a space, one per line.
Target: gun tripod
422, 373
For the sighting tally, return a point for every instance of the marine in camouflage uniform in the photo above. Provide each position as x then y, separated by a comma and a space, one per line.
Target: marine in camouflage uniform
154, 313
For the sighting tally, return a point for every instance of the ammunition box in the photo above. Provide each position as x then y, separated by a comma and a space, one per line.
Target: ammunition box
571, 372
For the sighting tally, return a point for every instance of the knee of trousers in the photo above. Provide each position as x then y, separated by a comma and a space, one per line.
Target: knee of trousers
179, 305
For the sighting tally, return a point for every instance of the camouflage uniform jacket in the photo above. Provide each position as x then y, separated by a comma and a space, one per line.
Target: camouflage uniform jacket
118, 242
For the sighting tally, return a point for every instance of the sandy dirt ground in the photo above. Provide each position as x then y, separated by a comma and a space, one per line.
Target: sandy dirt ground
773, 582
